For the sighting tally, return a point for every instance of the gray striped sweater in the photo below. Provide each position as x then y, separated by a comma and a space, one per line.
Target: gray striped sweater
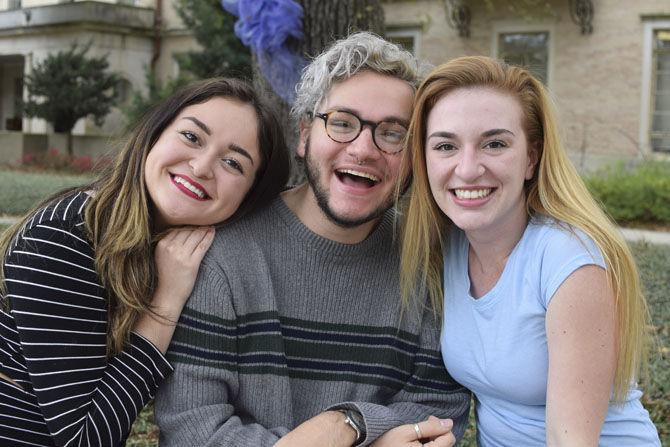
53, 342
284, 324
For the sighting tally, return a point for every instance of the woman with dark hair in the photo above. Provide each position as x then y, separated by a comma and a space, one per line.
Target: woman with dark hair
94, 278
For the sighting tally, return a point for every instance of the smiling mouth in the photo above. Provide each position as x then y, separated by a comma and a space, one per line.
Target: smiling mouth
197, 191
472, 194
350, 176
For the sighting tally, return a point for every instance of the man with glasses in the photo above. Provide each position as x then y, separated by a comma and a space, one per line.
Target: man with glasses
295, 334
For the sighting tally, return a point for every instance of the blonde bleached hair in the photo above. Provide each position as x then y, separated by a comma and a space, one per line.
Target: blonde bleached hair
362, 51
555, 190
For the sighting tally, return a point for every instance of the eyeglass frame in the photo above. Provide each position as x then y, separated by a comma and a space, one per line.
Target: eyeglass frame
372, 124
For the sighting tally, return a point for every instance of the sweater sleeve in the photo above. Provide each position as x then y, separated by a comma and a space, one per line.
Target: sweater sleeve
195, 406
60, 312
429, 391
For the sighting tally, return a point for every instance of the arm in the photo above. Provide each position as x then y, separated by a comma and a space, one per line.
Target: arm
60, 312
428, 391
178, 256
580, 329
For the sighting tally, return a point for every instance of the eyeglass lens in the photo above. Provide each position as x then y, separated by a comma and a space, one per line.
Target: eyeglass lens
344, 127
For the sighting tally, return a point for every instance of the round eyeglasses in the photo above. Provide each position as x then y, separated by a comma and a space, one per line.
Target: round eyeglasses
345, 127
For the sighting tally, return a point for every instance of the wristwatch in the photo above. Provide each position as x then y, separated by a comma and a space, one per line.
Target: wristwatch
354, 419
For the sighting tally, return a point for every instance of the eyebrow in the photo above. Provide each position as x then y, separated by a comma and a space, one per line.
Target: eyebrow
488, 133
240, 150
199, 123
233, 147
493, 132
389, 118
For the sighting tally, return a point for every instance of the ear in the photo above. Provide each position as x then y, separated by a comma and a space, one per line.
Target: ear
305, 127
533, 159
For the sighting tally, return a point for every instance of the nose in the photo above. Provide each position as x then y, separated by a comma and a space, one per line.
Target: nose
469, 166
202, 164
363, 148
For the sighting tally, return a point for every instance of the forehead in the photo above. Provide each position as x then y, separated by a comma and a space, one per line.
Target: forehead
229, 120
476, 108
372, 95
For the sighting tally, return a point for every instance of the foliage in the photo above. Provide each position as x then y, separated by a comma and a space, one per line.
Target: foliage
22, 190
144, 432
222, 53
157, 92
653, 262
53, 160
69, 85
641, 194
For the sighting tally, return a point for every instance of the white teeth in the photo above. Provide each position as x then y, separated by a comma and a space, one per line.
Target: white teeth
197, 191
360, 174
472, 193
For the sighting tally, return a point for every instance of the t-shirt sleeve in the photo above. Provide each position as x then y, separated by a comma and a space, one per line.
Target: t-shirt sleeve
562, 252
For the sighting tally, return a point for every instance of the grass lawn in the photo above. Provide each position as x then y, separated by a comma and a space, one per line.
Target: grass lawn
21, 190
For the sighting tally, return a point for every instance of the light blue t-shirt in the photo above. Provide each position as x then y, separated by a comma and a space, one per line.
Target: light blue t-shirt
497, 345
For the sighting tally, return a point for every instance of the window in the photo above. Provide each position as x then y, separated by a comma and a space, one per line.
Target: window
13, 4
407, 38
659, 137
526, 49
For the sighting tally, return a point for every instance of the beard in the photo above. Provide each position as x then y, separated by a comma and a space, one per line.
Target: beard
313, 174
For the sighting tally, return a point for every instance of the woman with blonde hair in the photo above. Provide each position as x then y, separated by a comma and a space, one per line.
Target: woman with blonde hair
543, 316
94, 279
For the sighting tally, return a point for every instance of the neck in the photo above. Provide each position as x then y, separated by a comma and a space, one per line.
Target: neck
489, 250
302, 202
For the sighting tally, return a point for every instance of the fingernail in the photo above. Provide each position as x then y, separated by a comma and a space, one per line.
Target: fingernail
446, 423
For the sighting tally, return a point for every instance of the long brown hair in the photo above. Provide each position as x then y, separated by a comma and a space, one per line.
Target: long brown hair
119, 215
555, 190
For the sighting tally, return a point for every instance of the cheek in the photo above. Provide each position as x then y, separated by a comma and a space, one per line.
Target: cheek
435, 172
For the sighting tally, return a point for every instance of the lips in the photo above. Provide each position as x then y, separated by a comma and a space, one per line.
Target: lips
190, 187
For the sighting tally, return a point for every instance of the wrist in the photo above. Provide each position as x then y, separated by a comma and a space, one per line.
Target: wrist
354, 420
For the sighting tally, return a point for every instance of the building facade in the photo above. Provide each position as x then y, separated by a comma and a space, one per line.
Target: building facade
135, 35
606, 62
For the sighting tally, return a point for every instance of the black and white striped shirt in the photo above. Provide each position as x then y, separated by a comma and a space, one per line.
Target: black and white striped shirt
53, 342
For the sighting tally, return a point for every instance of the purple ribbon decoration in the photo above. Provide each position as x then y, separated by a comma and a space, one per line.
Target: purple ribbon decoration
271, 28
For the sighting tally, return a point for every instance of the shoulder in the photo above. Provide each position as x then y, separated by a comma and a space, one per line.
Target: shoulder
60, 222
547, 239
553, 250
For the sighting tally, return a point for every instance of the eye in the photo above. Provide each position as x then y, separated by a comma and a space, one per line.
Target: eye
233, 164
190, 136
496, 144
444, 147
393, 134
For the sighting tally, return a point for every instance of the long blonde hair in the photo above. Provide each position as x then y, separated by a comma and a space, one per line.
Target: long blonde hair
119, 215
555, 190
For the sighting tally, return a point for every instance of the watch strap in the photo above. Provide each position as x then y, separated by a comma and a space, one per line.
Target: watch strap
354, 419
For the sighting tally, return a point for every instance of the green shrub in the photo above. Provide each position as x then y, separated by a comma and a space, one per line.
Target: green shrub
22, 190
637, 195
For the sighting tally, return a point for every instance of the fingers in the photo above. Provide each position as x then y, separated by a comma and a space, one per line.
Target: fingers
189, 241
434, 427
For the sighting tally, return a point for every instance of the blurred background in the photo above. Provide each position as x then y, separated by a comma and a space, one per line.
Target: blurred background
74, 74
